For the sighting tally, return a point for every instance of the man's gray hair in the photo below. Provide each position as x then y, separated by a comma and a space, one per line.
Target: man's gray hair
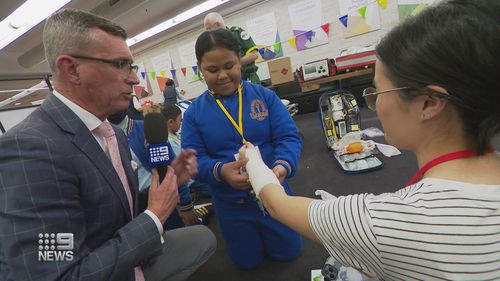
71, 31
212, 18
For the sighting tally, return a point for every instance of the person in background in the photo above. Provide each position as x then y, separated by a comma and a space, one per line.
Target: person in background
135, 108
438, 95
170, 93
66, 177
216, 124
199, 190
248, 51
134, 130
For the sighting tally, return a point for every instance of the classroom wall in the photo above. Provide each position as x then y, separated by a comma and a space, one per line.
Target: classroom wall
389, 18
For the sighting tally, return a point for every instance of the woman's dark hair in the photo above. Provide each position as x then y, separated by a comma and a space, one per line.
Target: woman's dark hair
211, 39
454, 45
171, 111
169, 82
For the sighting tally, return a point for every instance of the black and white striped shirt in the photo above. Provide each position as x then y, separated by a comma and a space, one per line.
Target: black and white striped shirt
433, 230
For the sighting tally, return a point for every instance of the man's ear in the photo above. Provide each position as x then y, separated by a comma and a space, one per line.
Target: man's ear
68, 68
433, 105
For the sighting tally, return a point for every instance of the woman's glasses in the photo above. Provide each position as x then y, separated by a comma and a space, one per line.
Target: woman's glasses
370, 95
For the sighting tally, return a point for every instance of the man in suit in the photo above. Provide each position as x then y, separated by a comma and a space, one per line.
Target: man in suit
68, 213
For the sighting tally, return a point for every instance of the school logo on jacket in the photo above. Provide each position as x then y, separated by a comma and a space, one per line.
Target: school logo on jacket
258, 110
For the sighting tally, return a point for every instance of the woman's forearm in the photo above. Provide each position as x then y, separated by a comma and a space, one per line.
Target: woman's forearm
289, 210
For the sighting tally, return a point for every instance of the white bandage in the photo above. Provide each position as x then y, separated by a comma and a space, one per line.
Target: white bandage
259, 174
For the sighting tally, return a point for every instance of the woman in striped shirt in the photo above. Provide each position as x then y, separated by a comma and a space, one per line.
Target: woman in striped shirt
438, 95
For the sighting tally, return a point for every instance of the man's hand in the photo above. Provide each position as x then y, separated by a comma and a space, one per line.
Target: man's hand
185, 166
250, 57
231, 174
188, 217
163, 198
280, 172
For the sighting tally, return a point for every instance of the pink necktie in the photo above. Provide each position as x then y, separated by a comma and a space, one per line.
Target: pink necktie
105, 130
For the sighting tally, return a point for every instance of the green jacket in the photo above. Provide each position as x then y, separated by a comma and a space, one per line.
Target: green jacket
246, 46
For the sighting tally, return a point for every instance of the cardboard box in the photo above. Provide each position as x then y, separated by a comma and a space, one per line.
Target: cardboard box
280, 70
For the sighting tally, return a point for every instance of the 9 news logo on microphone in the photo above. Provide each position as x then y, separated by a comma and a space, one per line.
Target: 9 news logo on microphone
159, 154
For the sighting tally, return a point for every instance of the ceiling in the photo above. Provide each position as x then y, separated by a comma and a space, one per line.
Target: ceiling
25, 56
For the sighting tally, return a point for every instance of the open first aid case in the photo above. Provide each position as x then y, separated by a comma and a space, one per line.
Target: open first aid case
341, 123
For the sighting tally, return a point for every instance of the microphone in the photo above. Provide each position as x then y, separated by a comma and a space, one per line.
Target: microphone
159, 150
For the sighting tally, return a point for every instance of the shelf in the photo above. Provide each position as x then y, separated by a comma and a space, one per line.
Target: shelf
315, 84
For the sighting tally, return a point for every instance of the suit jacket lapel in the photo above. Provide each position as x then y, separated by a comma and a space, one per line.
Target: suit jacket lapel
85, 141
125, 156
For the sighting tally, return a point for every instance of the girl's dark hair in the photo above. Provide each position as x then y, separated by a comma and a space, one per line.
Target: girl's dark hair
454, 45
211, 39
171, 111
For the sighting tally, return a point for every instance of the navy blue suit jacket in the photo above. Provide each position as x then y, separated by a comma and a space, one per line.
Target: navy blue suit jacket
55, 178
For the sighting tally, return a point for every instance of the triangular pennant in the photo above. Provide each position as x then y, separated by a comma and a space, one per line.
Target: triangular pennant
183, 69
161, 82
143, 74
277, 47
195, 69
362, 11
153, 74
326, 28
343, 20
162, 73
309, 35
291, 40
172, 71
382, 3
262, 51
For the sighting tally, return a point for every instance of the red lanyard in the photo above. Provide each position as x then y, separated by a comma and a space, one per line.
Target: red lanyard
444, 158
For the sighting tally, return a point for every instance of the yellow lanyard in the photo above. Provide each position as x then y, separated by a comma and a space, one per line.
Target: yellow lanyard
239, 126
175, 137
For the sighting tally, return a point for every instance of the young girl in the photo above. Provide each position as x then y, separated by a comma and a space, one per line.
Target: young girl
216, 125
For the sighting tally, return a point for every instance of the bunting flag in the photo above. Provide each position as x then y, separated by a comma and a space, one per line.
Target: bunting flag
277, 47
326, 28
343, 20
309, 35
266, 52
161, 82
382, 3
262, 52
291, 40
362, 11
